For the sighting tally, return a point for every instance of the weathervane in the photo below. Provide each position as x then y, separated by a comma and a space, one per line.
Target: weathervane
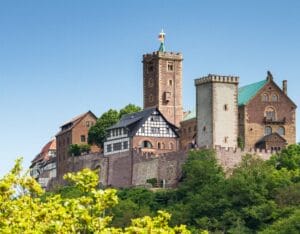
161, 38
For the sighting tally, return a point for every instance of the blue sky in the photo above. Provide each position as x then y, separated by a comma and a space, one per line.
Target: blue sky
59, 58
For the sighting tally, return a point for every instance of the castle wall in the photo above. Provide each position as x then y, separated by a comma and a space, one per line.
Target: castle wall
134, 168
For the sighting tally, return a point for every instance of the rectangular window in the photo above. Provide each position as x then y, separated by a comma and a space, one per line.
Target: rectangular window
170, 66
87, 124
117, 146
108, 148
82, 138
125, 145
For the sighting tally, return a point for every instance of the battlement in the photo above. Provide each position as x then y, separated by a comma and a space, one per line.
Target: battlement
164, 55
217, 78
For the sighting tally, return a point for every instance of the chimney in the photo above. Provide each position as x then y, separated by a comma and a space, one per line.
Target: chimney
284, 86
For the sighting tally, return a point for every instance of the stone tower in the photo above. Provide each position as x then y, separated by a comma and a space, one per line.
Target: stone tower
162, 81
217, 111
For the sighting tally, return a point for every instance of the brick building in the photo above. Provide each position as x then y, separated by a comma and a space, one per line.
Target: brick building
147, 130
74, 131
265, 109
266, 116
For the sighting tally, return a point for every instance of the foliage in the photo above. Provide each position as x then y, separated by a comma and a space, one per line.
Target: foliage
240, 142
130, 108
288, 158
258, 196
77, 150
97, 133
25, 210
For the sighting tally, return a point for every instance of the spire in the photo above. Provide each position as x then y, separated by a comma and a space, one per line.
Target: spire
161, 38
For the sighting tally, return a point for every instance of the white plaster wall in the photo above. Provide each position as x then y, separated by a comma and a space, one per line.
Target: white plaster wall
204, 115
225, 122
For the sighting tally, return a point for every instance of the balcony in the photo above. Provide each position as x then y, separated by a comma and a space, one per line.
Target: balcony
274, 121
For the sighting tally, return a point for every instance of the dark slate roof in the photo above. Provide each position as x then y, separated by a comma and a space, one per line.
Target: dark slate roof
246, 93
130, 119
135, 120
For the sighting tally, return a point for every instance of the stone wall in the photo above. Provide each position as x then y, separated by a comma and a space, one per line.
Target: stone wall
134, 168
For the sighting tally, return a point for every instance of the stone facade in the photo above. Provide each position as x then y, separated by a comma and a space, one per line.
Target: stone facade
255, 122
217, 111
134, 168
162, 82
73, 132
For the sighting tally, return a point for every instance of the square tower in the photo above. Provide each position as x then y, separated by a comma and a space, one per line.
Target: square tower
217, 111
162, 82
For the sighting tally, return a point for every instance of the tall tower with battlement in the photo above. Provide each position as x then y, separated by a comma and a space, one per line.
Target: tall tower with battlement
217, 111
162, 82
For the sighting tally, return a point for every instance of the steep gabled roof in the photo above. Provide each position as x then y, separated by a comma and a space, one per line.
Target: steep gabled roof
73, 122
51, 145
246, 93
135, 120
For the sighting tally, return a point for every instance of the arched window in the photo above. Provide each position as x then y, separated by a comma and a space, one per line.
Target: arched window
162, 145
147, 144
268, 130
274, 97
281, 131
265, 97
270, 113
171, 145
158, 145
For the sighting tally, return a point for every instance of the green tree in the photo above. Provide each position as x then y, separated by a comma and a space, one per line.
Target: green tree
97, 133
130, 108
23, 211
287, 158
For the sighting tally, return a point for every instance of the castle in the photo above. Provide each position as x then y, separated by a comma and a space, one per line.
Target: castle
258, 118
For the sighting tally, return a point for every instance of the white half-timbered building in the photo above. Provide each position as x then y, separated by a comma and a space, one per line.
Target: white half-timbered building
147, 130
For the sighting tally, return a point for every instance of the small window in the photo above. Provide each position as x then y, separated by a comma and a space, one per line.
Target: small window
171, 146
167, 130
150, 98
265, 97
142, 129
204, 129
117, 146
274, 98
82, 138
268, 130
170, 82
108, 148
158, 145
150, 83
170, 66
150, 67
226, 107
125, 145
281, 131
226, 139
